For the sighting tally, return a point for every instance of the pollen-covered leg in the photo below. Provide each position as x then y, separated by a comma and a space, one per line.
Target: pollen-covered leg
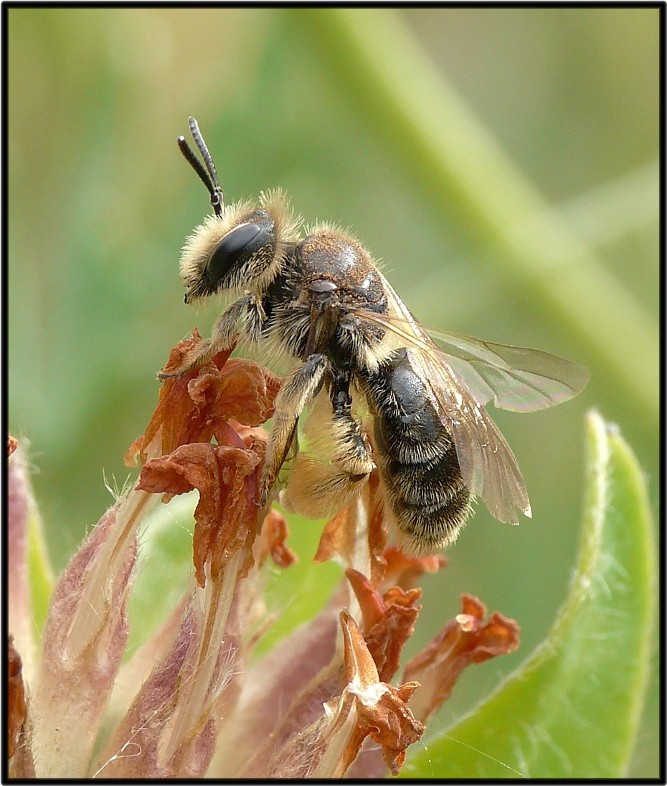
352, 453
295, 394
245, 318
319, 489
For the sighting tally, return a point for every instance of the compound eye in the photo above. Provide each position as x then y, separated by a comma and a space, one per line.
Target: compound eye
235, 249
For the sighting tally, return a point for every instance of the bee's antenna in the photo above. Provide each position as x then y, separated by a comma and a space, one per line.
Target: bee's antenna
208, 174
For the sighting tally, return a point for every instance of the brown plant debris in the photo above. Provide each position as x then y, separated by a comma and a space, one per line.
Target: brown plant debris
465, 640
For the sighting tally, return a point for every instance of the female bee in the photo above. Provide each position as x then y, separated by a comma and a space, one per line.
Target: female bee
320, 299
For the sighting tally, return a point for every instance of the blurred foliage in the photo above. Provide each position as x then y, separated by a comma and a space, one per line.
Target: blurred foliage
502, 163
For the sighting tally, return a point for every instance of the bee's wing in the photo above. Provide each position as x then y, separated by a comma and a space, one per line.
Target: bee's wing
473, 373
514, 378
488, 465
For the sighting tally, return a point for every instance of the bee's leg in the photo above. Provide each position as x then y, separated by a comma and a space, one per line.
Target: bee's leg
245, 318
296, 393
317, 488
353, 454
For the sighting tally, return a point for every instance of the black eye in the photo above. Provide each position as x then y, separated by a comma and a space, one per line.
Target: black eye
236, 248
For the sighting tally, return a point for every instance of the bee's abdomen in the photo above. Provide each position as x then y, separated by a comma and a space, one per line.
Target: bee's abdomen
427, 499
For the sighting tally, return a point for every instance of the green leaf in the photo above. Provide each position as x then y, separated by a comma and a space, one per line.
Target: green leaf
573, 708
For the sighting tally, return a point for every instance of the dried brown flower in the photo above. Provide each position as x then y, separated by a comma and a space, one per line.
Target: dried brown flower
465, 640
195, 702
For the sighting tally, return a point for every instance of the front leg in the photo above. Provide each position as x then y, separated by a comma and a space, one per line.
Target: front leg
245, 318
295, 394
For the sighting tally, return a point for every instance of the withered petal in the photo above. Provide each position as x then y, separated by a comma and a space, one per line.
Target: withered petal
83, 642
333, 538
226, 514
360, 668
392, 725
273, 541
464, 640
381, 708
387, 638
16, 698
190, 406
247, 392
405, 571
373, 607
389, 620
20, 509
340, 539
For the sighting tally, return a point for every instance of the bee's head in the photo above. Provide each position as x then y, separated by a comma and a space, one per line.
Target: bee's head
241, 245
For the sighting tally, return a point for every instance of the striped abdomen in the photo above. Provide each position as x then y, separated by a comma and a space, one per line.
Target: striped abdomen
416, 458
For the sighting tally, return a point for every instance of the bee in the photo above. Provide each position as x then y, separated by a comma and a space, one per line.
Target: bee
381, 393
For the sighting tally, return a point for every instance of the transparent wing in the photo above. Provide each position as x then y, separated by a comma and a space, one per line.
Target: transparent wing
471, 374
488, 465
514, 378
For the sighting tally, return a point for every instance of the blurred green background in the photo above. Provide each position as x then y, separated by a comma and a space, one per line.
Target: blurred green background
502, 163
